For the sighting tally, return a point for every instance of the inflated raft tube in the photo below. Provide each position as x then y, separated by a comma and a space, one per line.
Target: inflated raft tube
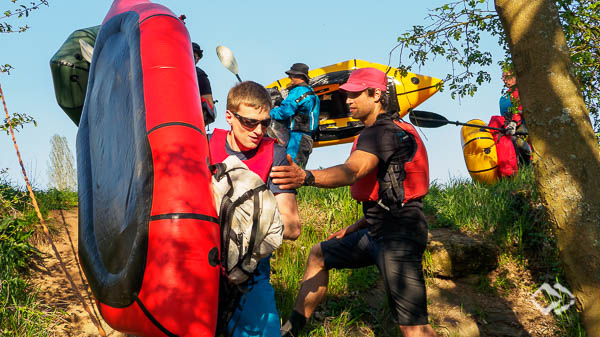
70, 70
479, 149
148, 232
335, 124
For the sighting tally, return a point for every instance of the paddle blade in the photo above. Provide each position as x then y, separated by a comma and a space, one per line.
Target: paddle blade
426, 119
226, 57
87, 51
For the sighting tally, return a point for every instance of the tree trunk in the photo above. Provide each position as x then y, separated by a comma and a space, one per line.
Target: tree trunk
567, 167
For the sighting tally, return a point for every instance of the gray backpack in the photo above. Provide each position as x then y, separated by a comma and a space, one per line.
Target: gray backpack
251, 226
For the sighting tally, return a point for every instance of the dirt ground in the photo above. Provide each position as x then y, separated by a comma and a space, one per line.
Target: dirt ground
54, 288
462, 307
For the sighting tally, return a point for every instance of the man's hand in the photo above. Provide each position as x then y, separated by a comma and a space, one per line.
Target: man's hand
359, 224
288, 177
339, 234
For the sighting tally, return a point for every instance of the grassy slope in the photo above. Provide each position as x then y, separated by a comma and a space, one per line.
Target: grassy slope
509, 213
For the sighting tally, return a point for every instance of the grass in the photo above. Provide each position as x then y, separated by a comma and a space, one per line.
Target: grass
324, 212
509, 213
20, 314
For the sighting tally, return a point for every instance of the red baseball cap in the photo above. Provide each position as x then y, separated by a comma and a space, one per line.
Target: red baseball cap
364, 78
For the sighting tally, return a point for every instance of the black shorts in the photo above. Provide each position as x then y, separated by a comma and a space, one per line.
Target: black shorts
399, 262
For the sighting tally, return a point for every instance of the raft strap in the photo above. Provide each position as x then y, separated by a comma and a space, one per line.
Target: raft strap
151, 318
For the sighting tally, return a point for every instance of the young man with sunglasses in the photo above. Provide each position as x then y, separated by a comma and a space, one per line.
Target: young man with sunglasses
389, 173
248, 106
299, 111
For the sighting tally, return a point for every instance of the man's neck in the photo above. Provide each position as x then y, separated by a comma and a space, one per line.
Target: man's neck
370, 120
233, 143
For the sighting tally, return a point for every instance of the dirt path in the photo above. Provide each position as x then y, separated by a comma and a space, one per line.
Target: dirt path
54, 288
470, 307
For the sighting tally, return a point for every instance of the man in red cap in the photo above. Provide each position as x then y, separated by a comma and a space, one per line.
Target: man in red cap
388, 171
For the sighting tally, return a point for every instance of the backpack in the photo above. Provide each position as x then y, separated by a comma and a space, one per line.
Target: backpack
251, 229
251, 226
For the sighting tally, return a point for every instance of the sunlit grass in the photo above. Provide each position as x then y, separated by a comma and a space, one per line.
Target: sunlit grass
510, 213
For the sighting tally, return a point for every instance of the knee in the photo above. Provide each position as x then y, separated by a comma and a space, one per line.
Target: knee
315, 258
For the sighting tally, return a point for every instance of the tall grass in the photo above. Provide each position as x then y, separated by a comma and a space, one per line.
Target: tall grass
510, 213
20, 314
323, 212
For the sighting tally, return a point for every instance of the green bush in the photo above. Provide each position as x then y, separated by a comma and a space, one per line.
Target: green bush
20, 314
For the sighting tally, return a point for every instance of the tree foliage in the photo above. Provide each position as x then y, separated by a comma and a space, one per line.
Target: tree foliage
18, 10
455, 33
61, 168
17, 120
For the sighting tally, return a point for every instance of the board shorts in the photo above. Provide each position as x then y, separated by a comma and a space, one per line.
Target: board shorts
400, 264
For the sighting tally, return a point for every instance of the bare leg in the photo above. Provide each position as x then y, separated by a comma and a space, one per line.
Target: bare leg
314, 283
418, 331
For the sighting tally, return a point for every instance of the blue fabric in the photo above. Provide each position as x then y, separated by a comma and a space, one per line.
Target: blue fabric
294, 144
258, 316
308, 106
288, 108
505, 104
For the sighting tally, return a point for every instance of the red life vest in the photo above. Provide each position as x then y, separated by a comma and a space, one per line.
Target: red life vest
260, 163
416, 183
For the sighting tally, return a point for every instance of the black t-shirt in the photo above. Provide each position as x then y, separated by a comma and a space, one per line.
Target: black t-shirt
203, 82
388, 141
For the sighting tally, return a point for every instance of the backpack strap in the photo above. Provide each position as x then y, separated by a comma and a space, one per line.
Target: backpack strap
304, 95
245, 259
302, 122
227, 209
255, 217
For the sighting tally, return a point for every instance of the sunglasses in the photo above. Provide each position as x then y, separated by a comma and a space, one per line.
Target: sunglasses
251, 123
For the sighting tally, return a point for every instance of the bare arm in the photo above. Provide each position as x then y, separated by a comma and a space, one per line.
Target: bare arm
359, 164
288, 208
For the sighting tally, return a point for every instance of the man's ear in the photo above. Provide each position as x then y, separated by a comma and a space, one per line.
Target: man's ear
377, 95
228, 117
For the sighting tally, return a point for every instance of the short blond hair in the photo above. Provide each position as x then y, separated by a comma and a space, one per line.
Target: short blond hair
249, 93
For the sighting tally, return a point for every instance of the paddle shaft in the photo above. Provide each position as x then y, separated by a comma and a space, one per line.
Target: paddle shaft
489, 127
439, 120
457, 123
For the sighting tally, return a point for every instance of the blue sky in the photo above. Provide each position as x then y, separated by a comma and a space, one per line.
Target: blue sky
266, 38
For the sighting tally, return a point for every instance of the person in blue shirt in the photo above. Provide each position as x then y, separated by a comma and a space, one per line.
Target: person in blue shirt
299, 111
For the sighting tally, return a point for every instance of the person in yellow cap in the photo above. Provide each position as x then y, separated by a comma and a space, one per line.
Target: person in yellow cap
389, 173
